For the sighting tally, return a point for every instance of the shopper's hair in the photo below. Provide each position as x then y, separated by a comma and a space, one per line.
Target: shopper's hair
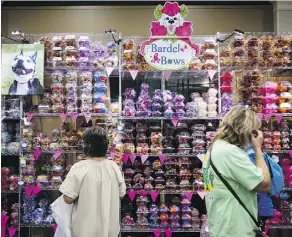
95, 142
237, 126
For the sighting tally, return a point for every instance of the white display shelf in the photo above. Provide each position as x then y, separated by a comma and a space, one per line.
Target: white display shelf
163, 118
151, 230
57, 115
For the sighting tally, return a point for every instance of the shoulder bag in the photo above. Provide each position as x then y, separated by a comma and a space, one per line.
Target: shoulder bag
258, 231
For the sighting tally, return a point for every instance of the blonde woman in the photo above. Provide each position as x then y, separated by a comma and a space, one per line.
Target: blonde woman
227, 162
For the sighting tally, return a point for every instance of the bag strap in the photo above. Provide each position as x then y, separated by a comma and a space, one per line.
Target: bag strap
233, 192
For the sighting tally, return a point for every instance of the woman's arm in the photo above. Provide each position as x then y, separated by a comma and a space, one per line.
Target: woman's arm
68, 200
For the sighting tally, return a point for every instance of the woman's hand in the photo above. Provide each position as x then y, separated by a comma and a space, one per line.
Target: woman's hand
257, 140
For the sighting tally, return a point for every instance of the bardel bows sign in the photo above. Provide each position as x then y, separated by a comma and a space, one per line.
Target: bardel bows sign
169, 46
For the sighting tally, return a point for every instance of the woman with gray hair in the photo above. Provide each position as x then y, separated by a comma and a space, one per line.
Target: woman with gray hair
231, 180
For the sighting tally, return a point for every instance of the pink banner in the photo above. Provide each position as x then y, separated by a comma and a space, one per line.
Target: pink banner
74, 116
54, 227
132, 194
12, 231
166, 75
87, 116
189, 195
144, 158
260, 116
4, 219
278, 118
35, 190
143, 193
154, 195
134, 73
156, 232
57, 155
174, 120
290, 153
162, 158
28, 191
37, 153
168, 232
63, 117
132, 158
29, 116
125, 158
202, 194
268, 117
